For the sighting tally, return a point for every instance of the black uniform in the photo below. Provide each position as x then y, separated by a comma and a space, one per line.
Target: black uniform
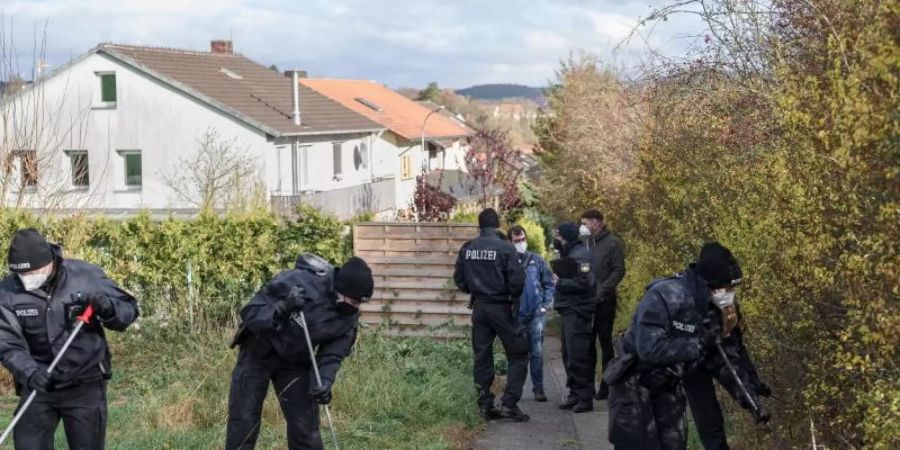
609, 267
663, 342
275, 350
488, 269
575, 304
33, 327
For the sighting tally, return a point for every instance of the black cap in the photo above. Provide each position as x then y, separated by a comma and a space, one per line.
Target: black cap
28, 251
568, 231
488, 219
717, 266
354, 279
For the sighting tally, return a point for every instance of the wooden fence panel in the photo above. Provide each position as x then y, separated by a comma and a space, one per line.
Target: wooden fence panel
413, 269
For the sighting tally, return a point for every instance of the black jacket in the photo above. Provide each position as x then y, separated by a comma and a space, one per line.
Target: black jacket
34, 325
577, 291
283, 340
608, 261
488, 269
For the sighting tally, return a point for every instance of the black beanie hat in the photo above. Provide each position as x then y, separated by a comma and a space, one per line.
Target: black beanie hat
488, 219
28, 251
568, 231
717, 266
354, 279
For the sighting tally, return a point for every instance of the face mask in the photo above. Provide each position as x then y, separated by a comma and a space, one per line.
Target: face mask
33, 282
521, 246
583, 230
723, 298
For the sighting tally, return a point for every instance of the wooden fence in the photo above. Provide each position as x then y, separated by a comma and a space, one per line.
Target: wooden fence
413, 269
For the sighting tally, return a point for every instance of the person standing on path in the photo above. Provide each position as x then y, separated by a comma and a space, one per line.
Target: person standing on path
39, 302
488, 269
575, 291
536, 300
609, 267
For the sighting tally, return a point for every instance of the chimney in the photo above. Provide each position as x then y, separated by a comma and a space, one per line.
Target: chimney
221, 47
295, 76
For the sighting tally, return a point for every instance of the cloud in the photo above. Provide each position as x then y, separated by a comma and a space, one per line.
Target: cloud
397, 42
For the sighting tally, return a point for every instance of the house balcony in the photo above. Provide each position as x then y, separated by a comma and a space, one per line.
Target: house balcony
376, 196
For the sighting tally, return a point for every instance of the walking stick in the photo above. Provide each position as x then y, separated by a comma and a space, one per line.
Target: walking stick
312, 356
84, 318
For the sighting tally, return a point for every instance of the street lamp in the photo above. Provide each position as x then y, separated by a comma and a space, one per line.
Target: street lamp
438, 109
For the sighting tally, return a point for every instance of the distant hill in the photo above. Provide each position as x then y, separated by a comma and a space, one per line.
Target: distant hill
502, 91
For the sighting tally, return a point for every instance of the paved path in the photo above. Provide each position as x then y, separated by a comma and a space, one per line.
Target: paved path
549, 428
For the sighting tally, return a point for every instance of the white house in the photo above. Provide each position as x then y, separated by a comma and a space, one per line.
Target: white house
408, 125
106, 132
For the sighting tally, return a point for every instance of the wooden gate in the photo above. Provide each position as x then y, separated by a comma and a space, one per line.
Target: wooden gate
413, 269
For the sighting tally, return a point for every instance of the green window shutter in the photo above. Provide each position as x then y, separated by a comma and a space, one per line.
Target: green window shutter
108, 86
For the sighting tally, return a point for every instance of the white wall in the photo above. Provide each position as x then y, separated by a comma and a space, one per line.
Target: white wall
148, 116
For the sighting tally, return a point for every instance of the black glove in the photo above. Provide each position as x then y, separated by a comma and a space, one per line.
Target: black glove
322, 394
294, 302
763, 390
39, 380
761, 415
102, 304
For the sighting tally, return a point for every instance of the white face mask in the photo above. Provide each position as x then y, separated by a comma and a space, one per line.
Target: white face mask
33, 281
583, 230
723, 298
521, 246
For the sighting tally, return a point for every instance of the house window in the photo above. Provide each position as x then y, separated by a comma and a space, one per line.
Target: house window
406, 170
336, 153
133, 168
78, 160
108, 87
361, 156
28, 168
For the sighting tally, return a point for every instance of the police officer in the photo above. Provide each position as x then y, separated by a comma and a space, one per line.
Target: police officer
575, 292
723, 313
667, 336
488, 269
273, 347
38, 304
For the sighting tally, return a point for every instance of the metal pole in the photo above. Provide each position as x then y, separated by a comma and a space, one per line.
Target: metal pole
312, 357
84, 318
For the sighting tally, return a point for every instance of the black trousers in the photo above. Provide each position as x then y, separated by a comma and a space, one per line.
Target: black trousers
82, 410
490, 321
249, 386
643, 420
577, 350
604, 318
705, 409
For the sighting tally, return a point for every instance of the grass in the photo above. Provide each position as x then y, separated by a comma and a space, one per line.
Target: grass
170, 391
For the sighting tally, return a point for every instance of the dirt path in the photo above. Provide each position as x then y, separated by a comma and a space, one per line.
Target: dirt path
549, 428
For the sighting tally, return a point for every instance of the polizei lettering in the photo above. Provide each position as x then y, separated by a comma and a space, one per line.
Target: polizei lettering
30, 312
683, 327
481, 255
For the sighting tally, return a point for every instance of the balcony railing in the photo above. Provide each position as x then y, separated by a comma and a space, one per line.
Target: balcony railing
372, 197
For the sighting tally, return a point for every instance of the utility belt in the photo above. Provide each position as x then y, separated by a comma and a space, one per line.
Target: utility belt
97, 374
508, 300
626, 367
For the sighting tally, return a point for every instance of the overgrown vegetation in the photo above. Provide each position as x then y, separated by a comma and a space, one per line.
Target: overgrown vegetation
779, 138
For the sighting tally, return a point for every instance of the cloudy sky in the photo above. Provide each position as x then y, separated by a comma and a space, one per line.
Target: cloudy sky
457, 43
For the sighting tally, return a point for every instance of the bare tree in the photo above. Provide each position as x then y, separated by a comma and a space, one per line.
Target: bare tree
220, 175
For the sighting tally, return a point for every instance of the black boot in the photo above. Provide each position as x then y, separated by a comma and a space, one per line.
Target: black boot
583, 407
514, 413
602, 393
490, 412
569, 403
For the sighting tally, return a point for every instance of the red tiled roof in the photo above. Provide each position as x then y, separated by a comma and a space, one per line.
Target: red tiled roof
243, 89
394, 111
